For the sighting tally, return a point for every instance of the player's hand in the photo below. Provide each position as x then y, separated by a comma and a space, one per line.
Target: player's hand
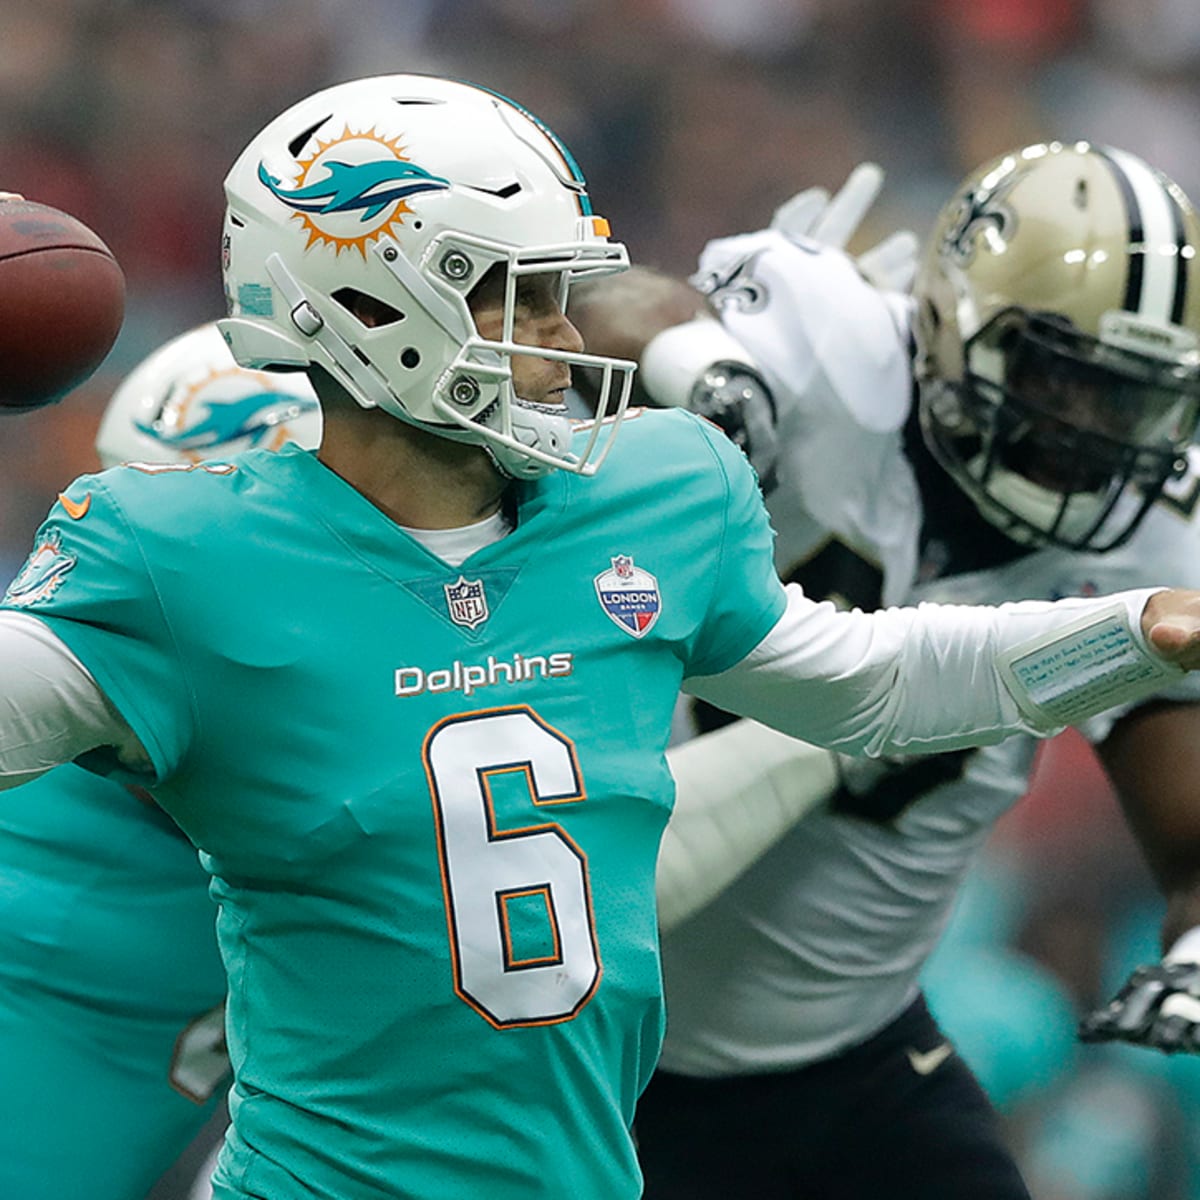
813, 216
1171, 623
1159, 1007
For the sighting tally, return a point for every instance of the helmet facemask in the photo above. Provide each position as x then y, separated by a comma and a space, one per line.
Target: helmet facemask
478, 391
1059, 437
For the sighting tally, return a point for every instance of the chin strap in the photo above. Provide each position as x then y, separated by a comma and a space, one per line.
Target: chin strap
536, 426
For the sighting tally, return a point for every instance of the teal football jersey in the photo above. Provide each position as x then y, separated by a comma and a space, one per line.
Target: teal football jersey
112, 1054
430, 797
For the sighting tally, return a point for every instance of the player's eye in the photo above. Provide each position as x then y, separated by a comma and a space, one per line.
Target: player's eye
538, 293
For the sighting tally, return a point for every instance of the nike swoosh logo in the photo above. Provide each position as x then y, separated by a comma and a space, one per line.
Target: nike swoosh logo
76, 509
929, 1061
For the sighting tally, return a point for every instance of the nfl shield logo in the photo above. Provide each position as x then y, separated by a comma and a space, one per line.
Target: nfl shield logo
466, 601
629, 595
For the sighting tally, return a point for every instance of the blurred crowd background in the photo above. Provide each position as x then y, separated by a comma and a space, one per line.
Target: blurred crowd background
692, 118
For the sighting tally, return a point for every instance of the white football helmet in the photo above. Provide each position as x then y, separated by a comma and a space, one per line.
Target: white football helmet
189, 400
1058, 341
399, 193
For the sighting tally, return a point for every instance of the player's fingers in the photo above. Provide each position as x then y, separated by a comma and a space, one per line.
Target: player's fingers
11, 196
1183, 1005
1140, 1009
1171, 622
892, 264
1177, 639
1170, 1034
1095, 1027
797, 216
844, 213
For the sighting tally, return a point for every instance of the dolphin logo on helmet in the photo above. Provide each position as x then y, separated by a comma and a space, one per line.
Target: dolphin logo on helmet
368, 187
251, 417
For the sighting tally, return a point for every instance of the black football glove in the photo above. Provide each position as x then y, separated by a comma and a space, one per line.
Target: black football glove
1158, 1007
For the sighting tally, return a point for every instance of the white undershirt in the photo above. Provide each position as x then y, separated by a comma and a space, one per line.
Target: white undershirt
455, 546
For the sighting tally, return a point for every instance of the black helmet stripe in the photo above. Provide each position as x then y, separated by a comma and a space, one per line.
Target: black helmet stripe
1156, 285
1182, 259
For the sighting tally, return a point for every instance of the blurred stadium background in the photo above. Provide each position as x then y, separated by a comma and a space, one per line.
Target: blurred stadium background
692, 118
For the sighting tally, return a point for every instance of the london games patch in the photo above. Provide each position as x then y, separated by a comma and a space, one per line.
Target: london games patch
43, 573
629, 595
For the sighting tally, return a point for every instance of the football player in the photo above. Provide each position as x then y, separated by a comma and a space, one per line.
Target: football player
112, 1049
410, 695
1020, 426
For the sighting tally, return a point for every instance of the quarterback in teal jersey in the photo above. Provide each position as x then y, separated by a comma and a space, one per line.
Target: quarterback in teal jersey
112, 1048
410, 695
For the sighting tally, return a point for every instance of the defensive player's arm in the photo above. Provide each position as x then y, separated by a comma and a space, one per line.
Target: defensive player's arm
779, 321
738, 790
941, 677
1152, 756
53, 710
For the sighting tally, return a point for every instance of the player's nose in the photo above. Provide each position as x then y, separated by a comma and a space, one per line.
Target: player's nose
561, 334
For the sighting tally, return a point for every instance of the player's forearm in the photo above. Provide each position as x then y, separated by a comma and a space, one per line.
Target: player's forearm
51, 709
1152, 757
931, 678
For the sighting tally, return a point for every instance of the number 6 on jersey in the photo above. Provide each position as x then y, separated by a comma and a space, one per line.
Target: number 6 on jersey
518, 902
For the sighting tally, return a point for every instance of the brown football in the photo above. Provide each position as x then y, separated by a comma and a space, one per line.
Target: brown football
62, 301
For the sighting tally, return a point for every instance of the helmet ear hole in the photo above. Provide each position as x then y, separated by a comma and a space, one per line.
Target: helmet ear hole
410, 357
366, 309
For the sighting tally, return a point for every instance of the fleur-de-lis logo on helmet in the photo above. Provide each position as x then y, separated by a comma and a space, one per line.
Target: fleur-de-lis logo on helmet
734, 286
981, 214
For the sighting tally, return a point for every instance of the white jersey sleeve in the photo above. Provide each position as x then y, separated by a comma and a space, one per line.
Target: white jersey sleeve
878, 683
804, 311
55, 709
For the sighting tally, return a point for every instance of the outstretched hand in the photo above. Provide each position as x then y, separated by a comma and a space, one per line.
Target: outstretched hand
814, 216
1171, 623
1158, 1007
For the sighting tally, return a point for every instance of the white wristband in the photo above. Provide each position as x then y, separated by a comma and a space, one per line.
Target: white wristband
674, 359
1085, 667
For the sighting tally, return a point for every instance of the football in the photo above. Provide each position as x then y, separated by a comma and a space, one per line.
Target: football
62, 301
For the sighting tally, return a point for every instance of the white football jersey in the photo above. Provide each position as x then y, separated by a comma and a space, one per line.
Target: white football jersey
820, 944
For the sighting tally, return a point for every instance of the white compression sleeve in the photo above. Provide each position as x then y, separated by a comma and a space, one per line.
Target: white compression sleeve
51, 709
940, 677
738, 790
